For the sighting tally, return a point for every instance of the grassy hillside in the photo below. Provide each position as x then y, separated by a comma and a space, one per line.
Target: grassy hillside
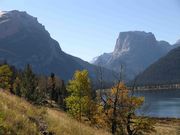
62, 124
15, 116
18, 117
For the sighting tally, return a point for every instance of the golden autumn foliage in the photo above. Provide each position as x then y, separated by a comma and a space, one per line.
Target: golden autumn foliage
117, 112
79, 100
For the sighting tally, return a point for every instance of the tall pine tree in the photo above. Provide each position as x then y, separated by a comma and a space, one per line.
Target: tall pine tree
29, 84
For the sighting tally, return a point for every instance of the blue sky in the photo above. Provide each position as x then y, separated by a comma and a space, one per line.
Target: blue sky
88, 28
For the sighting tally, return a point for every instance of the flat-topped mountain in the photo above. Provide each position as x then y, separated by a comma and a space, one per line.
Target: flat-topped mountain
135, 50
23, 40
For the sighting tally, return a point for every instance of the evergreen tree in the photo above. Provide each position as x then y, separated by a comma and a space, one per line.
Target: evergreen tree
5, 77
53, 86
42, 88
29, 84
63, 95
17, 86
57, 90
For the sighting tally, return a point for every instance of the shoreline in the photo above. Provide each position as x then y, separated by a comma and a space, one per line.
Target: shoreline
158, 87
164, 118
166, 126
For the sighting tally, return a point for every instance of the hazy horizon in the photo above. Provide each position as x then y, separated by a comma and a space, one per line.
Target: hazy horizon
88, 29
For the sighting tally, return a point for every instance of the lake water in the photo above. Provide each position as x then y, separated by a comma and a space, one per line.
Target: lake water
160, 103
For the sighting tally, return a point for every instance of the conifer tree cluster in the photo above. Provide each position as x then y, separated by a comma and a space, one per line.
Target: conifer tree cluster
34, 88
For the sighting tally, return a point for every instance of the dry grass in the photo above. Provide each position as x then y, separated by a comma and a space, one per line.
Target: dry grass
167, 127
69, 126
15, 113
14, 116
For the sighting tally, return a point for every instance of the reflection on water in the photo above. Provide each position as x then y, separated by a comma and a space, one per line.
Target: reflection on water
160, 103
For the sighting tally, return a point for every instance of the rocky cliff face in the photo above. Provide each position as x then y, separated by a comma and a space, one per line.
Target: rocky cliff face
23, 40
178, 42
132, 41
136, 50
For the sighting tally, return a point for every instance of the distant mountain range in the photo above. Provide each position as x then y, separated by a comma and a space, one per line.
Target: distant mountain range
135, 50
23, 40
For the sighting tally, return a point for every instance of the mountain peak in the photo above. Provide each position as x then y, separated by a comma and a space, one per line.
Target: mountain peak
140, 33
2, 13
16, 14
132, 39
25, 32
14, 21
136, 50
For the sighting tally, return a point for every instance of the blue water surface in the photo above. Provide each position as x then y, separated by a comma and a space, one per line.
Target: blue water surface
160, 103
